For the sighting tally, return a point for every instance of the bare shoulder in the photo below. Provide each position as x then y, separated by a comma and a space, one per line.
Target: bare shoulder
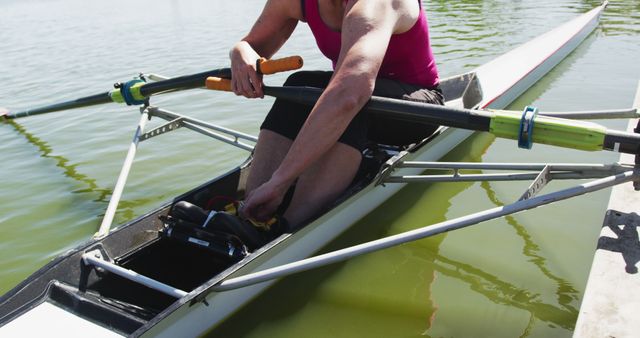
288, 8
408, 12
403, 13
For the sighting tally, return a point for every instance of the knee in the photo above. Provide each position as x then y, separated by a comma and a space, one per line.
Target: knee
296, 79
318, 79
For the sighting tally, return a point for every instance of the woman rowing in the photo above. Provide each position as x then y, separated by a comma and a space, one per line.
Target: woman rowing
378, 47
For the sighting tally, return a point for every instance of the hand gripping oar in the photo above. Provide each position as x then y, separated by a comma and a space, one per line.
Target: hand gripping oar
527, 128
135, 92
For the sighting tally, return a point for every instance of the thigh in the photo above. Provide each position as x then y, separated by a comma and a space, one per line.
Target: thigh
387, 130
287, 118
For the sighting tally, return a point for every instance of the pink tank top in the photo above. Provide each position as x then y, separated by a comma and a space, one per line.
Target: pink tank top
409, 57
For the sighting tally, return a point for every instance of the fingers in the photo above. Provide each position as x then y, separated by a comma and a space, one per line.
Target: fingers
247, 82
257, 211
260, 204
245, 79
256, 84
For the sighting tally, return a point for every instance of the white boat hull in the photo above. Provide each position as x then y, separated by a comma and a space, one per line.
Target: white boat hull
501, 80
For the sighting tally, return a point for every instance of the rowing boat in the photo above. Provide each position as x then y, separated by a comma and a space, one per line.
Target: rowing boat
136, 281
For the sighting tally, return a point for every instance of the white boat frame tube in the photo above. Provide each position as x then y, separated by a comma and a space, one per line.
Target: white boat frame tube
556, 171
629, 113
427, 231
195, 125
95, 258
175, 121
105, 226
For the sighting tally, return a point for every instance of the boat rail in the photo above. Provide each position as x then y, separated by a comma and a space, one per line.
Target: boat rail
175, 121
95, 258
541, 173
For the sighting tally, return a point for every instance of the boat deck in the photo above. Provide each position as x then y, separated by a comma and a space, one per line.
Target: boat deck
611, 301
54, 321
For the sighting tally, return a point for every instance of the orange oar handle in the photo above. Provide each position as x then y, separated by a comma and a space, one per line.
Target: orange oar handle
264, 66
279, 65
218, 83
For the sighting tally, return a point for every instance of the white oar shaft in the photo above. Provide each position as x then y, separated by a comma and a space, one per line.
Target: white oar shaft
105, 226
431, 230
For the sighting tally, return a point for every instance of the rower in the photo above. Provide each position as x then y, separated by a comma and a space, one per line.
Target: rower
313, 153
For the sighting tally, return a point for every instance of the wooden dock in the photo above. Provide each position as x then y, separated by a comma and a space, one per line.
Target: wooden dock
611, 303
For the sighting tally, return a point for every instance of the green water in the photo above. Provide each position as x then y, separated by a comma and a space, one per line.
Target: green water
523, 275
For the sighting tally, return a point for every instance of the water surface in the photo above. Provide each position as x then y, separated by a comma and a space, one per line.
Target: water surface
522, 275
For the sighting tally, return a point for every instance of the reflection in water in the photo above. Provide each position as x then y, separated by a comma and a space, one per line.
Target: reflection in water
125, 208
492, 287
62, 162
502, 292
469, 33
620, 19
527, 331
566, 292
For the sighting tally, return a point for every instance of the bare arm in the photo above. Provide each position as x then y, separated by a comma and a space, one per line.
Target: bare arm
366, 30
270, 31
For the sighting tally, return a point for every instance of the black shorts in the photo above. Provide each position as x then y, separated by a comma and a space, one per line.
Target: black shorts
286, 118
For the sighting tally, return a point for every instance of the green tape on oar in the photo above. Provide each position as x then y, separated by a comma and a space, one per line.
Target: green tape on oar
134, 90
548, 130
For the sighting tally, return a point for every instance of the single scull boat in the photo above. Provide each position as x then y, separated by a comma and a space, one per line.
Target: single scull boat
137, 281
